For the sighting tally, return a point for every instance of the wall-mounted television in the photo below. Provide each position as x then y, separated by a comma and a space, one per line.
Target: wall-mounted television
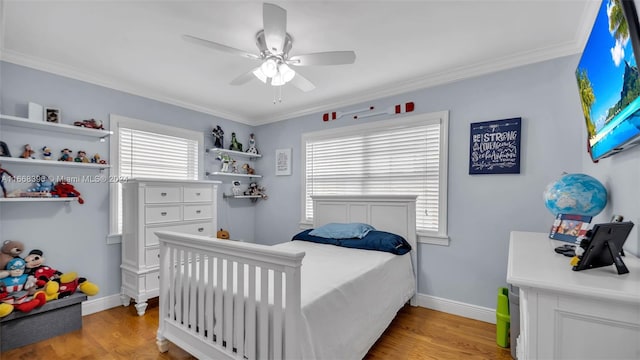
608, 80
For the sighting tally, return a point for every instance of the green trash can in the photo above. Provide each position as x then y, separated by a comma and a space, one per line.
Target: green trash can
503, 319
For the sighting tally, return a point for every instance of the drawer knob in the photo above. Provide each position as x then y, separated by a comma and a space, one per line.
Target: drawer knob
164, 213
197, 194
163, 194
200, 229
198, 211
158, 256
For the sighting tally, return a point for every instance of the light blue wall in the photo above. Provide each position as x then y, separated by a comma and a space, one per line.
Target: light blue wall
73, 237
483, 209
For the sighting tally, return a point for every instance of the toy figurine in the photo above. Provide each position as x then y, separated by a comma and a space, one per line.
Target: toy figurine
252, 145
218, 136
46, 153
81, 157
2, 172
28, 152
235, 145
97, 160
248, 169
236, 188
226, 160
66, 155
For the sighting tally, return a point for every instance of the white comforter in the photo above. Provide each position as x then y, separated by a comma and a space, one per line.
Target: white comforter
349, 297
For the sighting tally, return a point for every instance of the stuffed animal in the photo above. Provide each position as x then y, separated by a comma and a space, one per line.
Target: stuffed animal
10, 249
65, 189
255, 190
20, 288
43, 185
54, 283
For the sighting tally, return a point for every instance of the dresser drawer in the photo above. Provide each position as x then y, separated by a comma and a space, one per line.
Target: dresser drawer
158, 194
152, 281
203, 228
152, 257
197, 194
197, 212
160, 214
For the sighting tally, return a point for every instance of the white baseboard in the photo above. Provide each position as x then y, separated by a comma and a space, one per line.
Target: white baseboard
91, 306
427, 301
457, 308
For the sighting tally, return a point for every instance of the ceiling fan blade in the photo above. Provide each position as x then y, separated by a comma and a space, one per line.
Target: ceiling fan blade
244, 78
302, 83
220, 47
324, 58
274, 19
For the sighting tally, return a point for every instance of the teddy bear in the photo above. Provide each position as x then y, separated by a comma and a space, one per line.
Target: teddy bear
10, 249
54, 283
65, 189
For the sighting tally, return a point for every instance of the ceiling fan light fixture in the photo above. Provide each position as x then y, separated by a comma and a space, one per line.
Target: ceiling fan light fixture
260, 75
269, 67
286, 72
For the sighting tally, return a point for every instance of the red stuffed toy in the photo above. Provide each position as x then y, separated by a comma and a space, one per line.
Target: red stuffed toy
64, 189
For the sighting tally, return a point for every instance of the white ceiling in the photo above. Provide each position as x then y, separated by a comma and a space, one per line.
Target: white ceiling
136, 46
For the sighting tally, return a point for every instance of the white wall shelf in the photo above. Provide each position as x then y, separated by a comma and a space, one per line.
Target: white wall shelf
217, 173
231, 196
53, 163
64, 128
38, 199
234, 153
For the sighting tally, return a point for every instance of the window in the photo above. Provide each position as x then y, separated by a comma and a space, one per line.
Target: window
398, 156
143, 149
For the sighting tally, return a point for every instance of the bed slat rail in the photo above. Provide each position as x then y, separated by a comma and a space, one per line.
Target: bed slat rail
214, 292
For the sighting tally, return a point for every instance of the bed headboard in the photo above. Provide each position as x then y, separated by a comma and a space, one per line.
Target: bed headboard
391, 213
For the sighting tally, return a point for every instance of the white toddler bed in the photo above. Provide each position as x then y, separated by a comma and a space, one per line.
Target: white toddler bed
324, 301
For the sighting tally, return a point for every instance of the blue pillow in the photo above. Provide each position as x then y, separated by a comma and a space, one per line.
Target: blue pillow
374, 240
342, 230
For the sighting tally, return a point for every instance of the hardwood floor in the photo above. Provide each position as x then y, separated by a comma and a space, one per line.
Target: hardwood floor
416, 333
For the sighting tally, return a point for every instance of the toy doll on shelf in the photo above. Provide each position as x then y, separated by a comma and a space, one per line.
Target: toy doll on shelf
2, 173
66, 155
252, 145
28, 152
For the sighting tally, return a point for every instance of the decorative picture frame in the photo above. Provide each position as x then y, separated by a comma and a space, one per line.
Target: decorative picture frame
494, 147
36, 112
283, 162
569, 228
52, 115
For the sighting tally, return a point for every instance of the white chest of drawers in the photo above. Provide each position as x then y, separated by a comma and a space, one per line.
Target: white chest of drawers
159, 205
572, 315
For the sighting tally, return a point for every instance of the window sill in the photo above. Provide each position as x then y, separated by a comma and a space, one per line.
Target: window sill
114, 239
442, 240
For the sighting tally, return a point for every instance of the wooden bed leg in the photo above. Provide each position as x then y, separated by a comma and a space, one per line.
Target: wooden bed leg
163, 344
141, 307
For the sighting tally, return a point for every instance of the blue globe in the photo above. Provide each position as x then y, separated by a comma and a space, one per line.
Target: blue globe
575, 194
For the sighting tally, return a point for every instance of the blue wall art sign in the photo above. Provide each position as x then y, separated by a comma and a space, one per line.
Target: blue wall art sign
495, 147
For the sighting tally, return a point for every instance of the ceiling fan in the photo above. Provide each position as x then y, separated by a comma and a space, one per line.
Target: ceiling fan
274, 44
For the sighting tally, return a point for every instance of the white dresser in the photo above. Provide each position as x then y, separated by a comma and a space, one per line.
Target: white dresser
566, 314
159, 205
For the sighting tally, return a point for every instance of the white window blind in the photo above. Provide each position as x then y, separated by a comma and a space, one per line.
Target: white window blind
398, 158
152, 155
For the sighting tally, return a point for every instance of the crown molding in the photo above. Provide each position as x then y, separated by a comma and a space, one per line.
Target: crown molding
431, 80
382, 91
70, 72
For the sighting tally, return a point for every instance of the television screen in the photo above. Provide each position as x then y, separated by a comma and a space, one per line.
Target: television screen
608, 80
